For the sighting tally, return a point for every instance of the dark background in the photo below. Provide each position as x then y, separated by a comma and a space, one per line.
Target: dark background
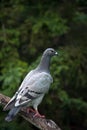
27, 28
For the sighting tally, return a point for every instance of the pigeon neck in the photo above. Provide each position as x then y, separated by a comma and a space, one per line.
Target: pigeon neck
45, 63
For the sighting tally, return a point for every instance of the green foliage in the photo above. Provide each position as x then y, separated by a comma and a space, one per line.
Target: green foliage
71, 74
55, 24
12, 75
81, 18
29, 27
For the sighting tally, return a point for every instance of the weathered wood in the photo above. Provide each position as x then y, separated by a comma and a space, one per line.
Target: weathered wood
41, 123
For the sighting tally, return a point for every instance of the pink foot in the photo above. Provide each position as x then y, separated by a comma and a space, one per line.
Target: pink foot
39, 115
30, 110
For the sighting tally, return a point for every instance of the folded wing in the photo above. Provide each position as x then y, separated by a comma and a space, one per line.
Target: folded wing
35, 87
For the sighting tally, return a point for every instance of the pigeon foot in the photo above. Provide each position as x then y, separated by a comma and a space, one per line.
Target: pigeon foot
37, 114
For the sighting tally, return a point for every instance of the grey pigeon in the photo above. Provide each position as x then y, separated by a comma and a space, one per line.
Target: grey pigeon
33, 88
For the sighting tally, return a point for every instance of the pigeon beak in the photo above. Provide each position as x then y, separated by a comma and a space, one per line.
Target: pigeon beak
56, 53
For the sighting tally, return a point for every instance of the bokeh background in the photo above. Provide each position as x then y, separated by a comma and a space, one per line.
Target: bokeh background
27, 28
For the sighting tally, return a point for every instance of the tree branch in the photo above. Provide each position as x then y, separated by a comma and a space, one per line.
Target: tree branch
41, 123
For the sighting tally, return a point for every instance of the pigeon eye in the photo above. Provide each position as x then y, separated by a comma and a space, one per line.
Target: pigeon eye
52, 51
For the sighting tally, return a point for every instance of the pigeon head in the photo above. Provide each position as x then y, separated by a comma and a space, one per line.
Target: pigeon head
44, 64
50, 52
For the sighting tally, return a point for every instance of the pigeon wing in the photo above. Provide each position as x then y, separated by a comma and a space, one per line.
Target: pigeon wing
36, 86
11, 103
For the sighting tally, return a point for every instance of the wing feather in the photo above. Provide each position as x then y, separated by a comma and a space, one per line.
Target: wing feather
37, 85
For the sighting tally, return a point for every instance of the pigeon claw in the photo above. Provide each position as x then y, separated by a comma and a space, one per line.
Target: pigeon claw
37, 114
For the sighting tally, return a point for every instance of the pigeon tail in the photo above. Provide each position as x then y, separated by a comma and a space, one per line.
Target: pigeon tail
12, 114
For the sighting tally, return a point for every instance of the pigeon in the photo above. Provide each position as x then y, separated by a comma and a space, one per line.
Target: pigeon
33, 88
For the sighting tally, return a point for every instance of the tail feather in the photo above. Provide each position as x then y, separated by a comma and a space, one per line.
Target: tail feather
12, 114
